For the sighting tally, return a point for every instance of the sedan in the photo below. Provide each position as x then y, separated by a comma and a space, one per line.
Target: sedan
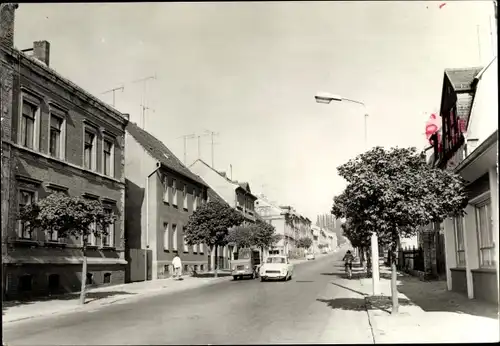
277, 268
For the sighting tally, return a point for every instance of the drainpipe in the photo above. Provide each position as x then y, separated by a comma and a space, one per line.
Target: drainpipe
146, 197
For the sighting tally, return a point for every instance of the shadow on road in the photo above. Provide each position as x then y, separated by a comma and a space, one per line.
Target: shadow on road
362, 304
434, 296
90, 296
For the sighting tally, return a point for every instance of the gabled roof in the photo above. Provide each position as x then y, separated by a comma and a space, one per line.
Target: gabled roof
214, 196
160, 152
461, 78
244, 186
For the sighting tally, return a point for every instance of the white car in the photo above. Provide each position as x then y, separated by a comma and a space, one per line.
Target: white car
310, 256
277, 268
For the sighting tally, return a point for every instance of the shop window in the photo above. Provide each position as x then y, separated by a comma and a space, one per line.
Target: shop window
107, 278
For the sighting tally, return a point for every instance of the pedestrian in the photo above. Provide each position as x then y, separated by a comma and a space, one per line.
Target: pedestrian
177, 264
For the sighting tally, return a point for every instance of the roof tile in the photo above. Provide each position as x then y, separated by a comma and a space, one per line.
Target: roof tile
160, 152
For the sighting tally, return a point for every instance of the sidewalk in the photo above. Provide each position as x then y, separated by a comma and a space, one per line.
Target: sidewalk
15, 311
428, 312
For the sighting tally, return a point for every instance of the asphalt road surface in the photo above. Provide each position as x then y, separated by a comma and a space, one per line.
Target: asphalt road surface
231, 312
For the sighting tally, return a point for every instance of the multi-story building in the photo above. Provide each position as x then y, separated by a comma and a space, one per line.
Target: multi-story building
287, 222
328, 221
472, 241
56, 137
236, 194
161, 195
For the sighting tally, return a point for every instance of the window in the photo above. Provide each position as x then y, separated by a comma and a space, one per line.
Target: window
28, 124
91, 238
174, 192
174, 237
485, 235
25, 198
90, 279
186, 246
51, 236
166, 269
185, 197
54, 283
195, 267
107, 278
25, 283
195, 248
107, 240
195, 200
201, 248
202, 267
165, 189
108, 158
89, 151
166, 236
186, 268
458, 225
55, 137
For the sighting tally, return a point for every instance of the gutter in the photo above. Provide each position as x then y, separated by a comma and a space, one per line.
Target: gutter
478, 152
146, 196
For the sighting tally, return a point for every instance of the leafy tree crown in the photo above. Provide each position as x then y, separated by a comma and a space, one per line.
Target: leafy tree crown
210, 223
68, 216
393, 192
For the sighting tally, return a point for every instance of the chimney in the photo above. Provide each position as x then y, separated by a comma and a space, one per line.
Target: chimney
7, 17
41, 51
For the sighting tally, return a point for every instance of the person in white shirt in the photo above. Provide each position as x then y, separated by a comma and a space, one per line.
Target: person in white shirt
177, 264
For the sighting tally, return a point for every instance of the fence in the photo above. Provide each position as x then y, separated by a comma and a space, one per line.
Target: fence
411, 259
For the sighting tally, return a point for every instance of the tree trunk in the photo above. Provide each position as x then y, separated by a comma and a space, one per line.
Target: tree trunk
212, 259
84, 273
361, 256
394, 276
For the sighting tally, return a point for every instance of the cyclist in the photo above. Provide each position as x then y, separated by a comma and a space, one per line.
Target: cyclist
348, 258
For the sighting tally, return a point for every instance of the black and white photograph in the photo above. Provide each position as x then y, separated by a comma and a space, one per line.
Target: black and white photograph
249, 172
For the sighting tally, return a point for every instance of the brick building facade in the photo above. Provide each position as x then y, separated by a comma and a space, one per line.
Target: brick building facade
56, 137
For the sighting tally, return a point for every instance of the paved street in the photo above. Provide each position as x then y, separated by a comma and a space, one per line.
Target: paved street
243, 312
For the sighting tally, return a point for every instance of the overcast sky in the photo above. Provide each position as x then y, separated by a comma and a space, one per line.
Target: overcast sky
249, 71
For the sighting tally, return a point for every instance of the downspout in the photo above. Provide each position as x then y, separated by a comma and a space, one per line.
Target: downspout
146, 196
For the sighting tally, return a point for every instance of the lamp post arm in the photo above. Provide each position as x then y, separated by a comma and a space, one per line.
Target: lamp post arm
366, 117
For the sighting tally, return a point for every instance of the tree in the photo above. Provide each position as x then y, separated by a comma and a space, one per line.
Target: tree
209, 224
304, 243
69, 216
240, 236
264, 236
393, 192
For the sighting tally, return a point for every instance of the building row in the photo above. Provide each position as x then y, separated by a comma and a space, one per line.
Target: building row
57, 137
464, 250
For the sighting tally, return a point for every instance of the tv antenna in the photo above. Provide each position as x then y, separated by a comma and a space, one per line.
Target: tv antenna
186, 137
212, 134
113, 91
144, 106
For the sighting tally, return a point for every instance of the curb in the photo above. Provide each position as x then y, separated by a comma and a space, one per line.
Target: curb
138, 295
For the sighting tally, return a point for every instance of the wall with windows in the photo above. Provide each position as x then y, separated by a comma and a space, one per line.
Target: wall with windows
48, 153
176, 198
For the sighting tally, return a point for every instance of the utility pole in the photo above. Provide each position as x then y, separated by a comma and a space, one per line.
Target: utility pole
144, 106
186, 137
113, 91
212, 134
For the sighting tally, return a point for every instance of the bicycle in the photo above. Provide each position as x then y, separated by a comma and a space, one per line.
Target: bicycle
348, 270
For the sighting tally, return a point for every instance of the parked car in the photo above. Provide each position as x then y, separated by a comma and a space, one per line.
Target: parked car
277, 268
247, 264
310, 256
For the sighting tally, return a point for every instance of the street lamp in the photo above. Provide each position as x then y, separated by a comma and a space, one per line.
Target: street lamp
326, 98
